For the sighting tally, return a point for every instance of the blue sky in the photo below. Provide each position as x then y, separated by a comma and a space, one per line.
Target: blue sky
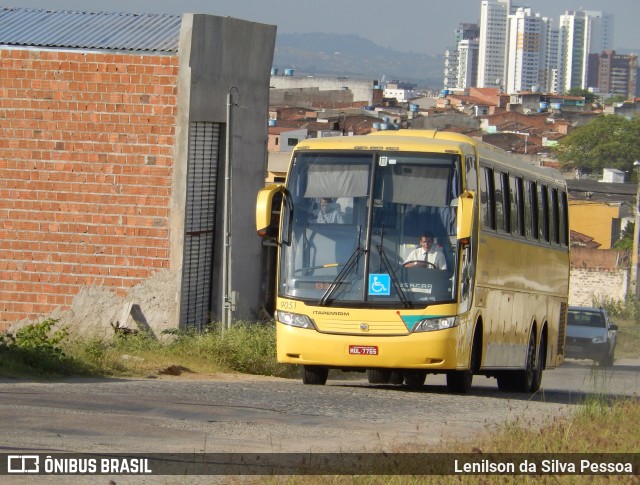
424, 26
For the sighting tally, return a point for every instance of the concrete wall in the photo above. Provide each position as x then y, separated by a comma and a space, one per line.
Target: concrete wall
587, 284
311, 97
362, 90
598, 274
225, 53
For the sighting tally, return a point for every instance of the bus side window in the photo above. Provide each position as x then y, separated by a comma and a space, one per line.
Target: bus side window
554, 218
543, 213
517, 205
471, 175
564, 219
531, 211
487, 199
503, 218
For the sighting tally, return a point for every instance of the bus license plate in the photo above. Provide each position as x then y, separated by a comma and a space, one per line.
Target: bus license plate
363, 350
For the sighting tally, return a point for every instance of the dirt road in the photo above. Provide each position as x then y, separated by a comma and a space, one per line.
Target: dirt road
230, 413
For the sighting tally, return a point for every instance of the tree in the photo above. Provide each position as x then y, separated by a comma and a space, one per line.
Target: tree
626, 238
609, 141
616, 98
588, 96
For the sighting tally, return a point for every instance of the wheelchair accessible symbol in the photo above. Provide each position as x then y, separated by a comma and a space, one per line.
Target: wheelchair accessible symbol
379, 284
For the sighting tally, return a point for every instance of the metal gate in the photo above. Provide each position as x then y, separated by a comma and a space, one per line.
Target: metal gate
200, 222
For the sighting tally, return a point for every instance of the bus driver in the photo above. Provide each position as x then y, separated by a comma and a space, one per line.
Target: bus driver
426, 255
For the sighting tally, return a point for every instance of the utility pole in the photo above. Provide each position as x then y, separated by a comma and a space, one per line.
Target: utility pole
633, 279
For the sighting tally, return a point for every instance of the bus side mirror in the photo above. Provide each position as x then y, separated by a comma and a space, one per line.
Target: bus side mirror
268, 207
465, 216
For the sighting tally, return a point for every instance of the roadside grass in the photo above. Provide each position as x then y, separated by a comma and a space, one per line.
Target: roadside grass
597, 426
628, 338
48, 349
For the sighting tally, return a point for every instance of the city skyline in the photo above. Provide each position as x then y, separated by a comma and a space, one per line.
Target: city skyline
422, 27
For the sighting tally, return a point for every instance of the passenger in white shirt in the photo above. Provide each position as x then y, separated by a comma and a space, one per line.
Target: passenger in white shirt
426, 255
328, 213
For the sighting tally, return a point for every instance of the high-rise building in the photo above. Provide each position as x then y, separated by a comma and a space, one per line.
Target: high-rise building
573, 50
493, 43
527, 51
581, 33
532, 51
466, 37
550, 74
467, 64
613, 74
517, 49
601, 32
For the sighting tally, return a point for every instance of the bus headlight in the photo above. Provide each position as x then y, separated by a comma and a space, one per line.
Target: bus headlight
430, 324
294, 319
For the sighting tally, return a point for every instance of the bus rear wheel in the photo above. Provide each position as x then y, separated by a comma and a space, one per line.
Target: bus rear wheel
528, 379
314, 375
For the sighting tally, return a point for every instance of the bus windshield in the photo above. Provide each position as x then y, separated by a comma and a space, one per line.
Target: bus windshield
370, 227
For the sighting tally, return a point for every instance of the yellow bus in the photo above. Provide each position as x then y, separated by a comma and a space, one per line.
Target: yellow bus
414, 252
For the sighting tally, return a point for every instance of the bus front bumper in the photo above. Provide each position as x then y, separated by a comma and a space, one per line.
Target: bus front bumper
434, 350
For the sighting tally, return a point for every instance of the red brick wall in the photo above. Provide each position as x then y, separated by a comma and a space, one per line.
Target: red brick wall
86, 157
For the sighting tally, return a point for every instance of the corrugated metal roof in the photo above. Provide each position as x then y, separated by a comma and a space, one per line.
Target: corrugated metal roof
89, 30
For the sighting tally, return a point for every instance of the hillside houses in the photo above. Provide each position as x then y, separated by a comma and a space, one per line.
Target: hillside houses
507, 121
527, 124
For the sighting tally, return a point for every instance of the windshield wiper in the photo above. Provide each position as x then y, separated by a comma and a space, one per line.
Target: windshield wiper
353, 259
396, 283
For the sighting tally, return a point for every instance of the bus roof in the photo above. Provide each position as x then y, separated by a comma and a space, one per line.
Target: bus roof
430, 140
404, 140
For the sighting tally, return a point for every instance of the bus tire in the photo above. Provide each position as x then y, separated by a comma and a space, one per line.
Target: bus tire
506, 380
459, 381
396, 377
529, 379
314, 375
378, 376
536, 380
414, 379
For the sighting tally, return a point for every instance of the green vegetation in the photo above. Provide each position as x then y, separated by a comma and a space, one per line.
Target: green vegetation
588, 96
615, 99
609, 141
626, 238
625, 314
37, 350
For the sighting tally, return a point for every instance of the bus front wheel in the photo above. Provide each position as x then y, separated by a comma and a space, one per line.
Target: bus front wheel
314, 375
460, 380
378, 376
414, 379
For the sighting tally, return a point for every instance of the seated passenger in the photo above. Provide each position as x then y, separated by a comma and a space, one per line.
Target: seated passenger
328, 213
426, 255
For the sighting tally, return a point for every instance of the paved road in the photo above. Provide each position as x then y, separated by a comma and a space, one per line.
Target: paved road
258, 414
